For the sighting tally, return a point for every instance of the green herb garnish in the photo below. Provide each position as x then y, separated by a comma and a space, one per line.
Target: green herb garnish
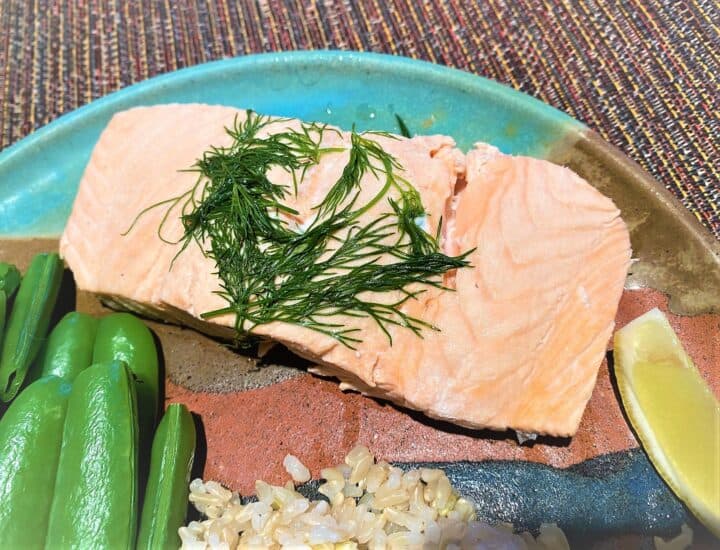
271, 270
402, 126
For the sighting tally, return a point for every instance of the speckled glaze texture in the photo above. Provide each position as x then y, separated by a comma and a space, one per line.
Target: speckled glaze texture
252, 412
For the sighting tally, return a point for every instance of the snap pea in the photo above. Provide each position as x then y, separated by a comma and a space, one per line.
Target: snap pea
9, 278
124, 337
29, 321
166, 496
9, 281
3, 314
94, 505
69, 348
30, 438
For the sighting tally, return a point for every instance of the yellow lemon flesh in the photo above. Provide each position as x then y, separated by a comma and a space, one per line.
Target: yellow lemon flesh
673, 411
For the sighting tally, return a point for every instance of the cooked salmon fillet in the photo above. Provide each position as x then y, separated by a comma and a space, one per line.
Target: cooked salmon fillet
520, 338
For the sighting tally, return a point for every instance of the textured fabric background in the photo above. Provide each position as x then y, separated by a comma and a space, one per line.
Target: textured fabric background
643, 73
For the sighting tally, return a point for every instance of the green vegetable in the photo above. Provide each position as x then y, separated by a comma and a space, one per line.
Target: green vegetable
30, 437
272, 270
166, 496
69, 348
29, 321
9, 278
124, 337
95, 499
402, 126
9, 282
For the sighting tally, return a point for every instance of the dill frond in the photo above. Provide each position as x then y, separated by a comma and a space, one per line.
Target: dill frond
271, 271
402, 126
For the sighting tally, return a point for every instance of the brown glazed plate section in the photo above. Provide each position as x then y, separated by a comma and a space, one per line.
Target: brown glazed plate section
672, 251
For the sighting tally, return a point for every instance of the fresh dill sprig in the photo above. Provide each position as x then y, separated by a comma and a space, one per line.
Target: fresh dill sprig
402, 126
272, 271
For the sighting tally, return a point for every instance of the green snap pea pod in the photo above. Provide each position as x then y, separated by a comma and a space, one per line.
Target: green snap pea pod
124, 337
3, 314
94, 504
69, 348
9, 278
9, 282
166, 495
29, 321
30, 438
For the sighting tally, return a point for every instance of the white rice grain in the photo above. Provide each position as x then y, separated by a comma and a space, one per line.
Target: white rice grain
296, 469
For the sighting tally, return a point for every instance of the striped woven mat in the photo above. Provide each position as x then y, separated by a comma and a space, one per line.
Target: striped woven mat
643, 73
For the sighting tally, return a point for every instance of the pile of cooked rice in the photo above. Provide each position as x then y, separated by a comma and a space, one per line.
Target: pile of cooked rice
369, 505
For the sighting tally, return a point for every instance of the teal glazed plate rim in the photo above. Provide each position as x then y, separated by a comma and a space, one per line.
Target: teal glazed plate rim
326, 86
611, 493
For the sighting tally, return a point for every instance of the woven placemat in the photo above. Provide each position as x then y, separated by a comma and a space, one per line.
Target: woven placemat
644, 74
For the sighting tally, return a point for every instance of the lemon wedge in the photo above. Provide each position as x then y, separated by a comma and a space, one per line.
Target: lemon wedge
673, 411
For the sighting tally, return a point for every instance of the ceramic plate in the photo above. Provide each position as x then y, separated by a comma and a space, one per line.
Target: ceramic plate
596, 485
